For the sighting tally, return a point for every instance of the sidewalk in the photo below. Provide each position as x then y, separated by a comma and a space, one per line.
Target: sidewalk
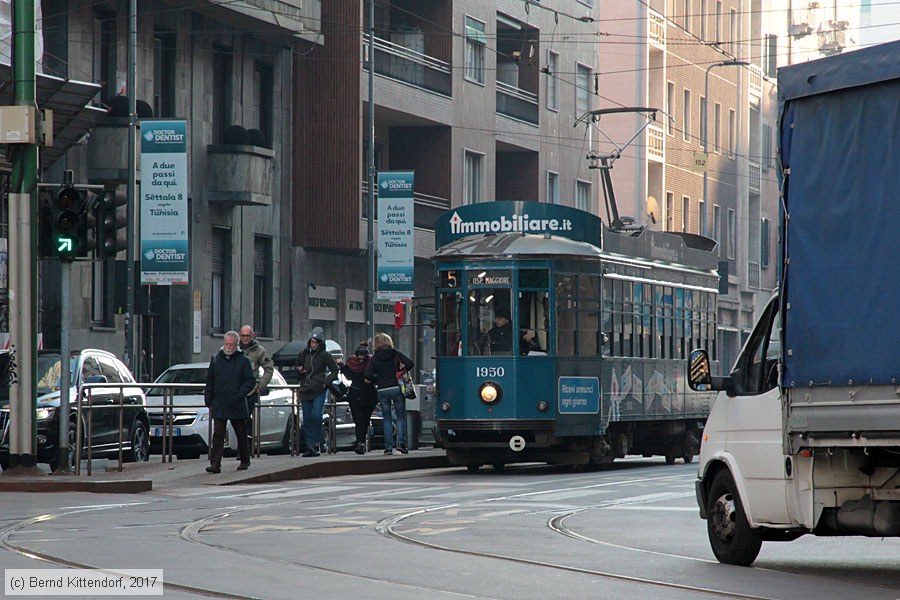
156, 475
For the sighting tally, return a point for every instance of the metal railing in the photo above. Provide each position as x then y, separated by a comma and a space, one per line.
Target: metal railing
517, 103
754, 173
84, 421
657, 29
406, 65
656, 143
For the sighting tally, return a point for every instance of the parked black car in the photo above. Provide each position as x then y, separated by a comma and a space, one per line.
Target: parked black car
86, 366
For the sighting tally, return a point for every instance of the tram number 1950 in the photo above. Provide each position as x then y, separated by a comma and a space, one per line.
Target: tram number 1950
489, 371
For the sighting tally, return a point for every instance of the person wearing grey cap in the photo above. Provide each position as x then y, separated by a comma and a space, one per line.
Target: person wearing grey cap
317, 370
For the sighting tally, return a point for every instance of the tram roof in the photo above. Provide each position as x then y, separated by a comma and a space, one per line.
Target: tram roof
657, 247
518, 244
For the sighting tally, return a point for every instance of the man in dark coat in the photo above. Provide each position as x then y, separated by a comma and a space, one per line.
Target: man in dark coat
500, 335
229, 379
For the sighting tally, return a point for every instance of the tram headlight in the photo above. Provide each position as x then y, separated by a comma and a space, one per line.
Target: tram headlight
542, 406
490, 392
445, 406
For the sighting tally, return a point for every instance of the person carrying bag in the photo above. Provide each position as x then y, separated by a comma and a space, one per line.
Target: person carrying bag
382, 370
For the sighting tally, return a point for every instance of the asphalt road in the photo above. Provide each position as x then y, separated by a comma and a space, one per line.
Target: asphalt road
539, 533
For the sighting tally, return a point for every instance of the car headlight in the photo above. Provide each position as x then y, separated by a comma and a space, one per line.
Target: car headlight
44, 413
490, 392
203, 416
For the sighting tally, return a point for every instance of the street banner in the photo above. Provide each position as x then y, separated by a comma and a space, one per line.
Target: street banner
164, 209
395, 235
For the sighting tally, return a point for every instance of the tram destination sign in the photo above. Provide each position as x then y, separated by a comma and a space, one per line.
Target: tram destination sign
537, 218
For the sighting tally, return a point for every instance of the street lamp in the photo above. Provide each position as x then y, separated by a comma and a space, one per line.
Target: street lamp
724, 63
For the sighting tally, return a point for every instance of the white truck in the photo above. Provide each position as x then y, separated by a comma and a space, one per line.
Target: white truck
804, 435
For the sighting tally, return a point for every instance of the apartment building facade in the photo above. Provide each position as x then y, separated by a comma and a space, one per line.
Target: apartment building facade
706, 165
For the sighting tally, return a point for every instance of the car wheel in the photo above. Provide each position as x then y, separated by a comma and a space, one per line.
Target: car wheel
688, 458
73, 438
670, 459
732, 539
472, 468
4, 464
326, 437
140, 443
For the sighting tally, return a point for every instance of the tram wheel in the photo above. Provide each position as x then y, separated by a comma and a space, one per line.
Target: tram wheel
472, 468
499, 467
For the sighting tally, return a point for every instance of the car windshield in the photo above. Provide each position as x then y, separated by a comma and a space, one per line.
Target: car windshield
48, 373
195, 375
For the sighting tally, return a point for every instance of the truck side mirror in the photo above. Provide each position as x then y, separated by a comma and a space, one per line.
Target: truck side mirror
699, 376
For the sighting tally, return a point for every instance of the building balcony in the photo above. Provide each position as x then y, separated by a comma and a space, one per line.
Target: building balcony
656, 144
517, 103
756, 78
426, 208
656, 30
401, 63
755, 177
240, 175
753, 275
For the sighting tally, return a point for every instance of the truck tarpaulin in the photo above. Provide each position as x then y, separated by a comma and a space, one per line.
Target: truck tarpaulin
841, 243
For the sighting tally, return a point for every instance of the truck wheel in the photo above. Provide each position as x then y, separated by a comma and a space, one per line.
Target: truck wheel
732, 539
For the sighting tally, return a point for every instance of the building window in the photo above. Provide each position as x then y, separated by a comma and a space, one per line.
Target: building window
703, 132
56, 46
704, 9
222, 91
687, 15
104, 50
731, 133
686, 116
717, 228
702, 214
764, 243
770, 56
670, 211
670, 107
733, 32
583, 195
262, 285
164, 70
766, 142
552, 187
552, 80
685, 214
473, 177
220, 267
476, 41
732, 234
264, 105
719, 17
717, 127
582, 90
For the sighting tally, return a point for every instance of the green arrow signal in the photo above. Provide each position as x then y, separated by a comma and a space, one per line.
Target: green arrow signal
65, 245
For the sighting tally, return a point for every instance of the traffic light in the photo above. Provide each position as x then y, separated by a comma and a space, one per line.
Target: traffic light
109, 219
68, 224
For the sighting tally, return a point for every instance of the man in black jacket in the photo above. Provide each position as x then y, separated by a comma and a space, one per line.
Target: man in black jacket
229, 379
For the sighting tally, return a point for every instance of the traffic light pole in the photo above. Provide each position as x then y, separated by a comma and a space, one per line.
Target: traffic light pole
23, 250
130, 361
62, 450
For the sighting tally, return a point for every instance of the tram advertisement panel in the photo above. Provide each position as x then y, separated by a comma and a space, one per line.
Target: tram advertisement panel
395, 235
579, 395
537, 218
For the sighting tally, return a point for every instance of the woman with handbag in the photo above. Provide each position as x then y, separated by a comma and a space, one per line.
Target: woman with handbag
384, 369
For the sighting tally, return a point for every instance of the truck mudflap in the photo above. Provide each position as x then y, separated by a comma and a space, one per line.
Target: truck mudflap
702, 499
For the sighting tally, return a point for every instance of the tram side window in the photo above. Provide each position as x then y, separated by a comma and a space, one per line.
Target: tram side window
607, 326
588, 330
534, 320
679, 323
451, 330
565, 315
490, 326
642, 318
668, 322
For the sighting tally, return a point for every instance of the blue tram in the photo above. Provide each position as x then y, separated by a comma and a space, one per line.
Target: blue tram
563, 341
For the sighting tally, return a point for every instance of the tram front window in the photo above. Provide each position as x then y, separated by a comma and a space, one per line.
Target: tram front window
490, 322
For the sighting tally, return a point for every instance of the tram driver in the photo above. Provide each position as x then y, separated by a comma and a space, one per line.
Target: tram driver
499, 337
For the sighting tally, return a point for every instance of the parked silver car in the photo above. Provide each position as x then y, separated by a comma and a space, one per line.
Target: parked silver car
191, 418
